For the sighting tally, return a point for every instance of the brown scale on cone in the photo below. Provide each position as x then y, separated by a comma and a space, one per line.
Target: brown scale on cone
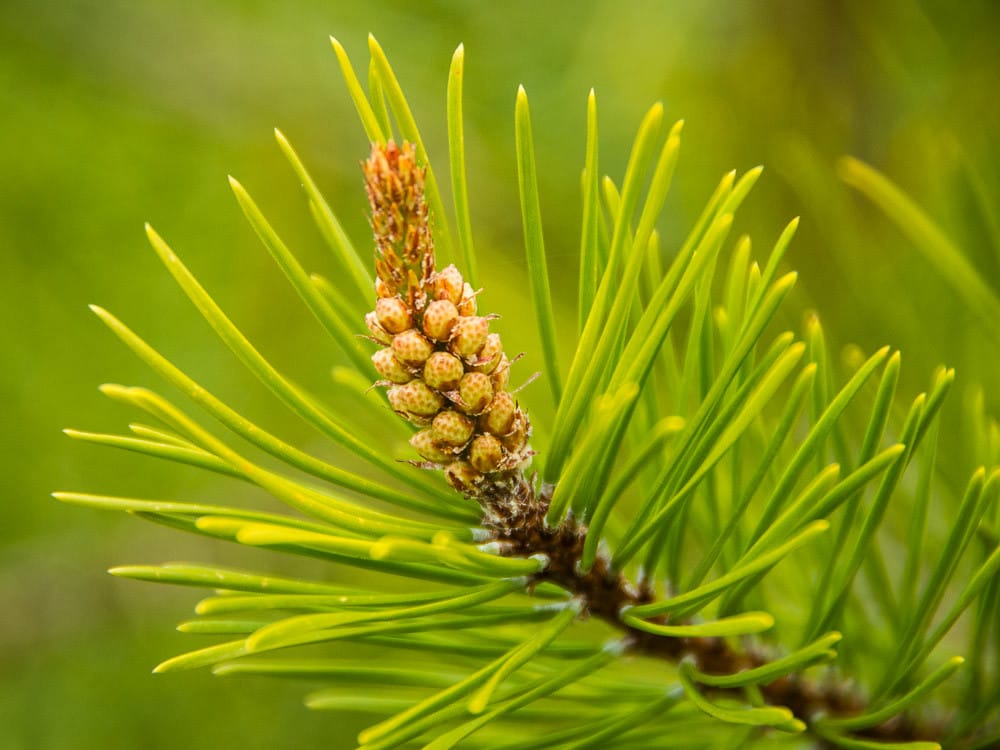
444, 370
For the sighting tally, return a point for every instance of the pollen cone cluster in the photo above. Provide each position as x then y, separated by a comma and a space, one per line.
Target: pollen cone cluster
444, 370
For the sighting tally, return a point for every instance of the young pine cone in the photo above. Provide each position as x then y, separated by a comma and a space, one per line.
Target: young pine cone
444, 369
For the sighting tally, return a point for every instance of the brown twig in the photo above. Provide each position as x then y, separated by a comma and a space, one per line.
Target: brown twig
516, 515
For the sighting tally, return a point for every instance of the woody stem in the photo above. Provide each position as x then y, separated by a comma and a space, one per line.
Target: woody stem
518, 523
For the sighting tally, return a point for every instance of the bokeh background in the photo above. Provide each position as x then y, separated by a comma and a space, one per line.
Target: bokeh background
114, 113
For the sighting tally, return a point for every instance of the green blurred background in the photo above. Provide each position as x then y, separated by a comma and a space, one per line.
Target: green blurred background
115, 113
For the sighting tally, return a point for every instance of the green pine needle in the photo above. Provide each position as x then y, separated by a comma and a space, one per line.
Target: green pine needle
534, 244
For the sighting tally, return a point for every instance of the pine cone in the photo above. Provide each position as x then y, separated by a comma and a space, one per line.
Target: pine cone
443, 368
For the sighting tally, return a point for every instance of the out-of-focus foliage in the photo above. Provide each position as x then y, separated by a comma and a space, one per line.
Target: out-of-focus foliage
114, 113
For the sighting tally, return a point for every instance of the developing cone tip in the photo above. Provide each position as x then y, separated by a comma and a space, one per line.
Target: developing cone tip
444, 370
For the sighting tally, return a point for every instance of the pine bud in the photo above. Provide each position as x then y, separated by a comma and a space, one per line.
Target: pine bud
449, 374
389, 367
404, 248
448, 285
439, 319
443, 371
393, 314
517, 439
499, 418
468, 304
378, 332
414, 399
486, 453
475, 392
411, 348
469, 336
463, 477
501, 375
489, 355
452, 428
429, 448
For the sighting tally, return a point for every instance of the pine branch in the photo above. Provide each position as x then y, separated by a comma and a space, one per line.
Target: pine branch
424, 317
666, 463
606, 594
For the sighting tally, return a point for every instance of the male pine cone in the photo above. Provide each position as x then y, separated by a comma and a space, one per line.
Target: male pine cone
444, 370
